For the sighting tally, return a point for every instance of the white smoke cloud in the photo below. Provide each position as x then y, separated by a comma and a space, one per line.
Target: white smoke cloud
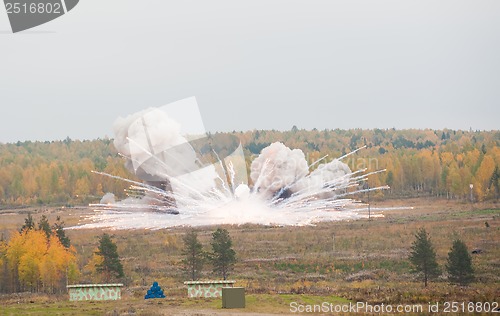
334, 172
242, 192
156, 151
143, 137
277, 167
108, 198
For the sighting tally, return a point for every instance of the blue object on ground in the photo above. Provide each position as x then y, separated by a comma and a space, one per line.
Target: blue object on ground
154, 292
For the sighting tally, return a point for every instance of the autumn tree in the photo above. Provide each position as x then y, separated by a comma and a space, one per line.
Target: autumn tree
3, 264
110, 266
194, 256
90, 269
483, 177
223, 256
58, 264
35, 247
37, 261
423, 257
495, 182
459, 265
15, 250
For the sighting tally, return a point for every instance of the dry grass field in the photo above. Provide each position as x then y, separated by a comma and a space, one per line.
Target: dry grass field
351, 261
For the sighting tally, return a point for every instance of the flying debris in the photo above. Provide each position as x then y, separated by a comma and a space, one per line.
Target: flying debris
192, 179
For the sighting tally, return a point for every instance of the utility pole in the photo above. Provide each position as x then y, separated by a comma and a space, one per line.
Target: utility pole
369, 211
471, 186
366, 187
333, 248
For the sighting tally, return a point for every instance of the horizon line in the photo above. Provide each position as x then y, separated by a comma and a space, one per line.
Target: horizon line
106, 137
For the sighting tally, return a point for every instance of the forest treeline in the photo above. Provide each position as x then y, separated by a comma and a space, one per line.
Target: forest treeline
418, 162
59, 172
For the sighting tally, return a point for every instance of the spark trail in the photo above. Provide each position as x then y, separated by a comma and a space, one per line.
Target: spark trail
189, 179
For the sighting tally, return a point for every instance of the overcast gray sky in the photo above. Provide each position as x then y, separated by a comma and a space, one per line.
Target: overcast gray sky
254, 65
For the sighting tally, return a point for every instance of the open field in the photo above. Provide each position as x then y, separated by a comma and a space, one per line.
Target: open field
260, 304
338, 262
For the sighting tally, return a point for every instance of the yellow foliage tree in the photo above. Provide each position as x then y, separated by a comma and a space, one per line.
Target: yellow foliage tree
15, 250
3, 249
36, 260
483, 176
82, 187
58, 263
35, 248
91, 267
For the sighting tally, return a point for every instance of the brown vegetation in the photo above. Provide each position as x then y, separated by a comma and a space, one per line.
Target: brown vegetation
368, 262
356, 260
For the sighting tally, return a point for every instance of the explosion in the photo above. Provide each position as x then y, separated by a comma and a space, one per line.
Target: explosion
189, 178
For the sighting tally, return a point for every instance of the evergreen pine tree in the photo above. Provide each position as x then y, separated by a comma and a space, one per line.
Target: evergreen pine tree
194, 255
58, 227
111, 265
44, 225
459, 266
423, 257
29, 223
223, 256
